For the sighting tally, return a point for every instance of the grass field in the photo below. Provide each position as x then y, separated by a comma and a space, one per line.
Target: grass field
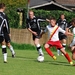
25, 63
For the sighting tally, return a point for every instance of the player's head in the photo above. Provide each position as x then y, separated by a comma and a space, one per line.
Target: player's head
31, 14
62, 16
52, 21
2, 6
73, 22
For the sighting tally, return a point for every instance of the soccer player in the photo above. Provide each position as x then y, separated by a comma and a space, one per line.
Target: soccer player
7, 35
63, 24
3, 22
34, 27
54, 40
72, 45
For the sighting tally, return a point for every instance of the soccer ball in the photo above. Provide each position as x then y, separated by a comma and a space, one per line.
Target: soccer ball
40, 58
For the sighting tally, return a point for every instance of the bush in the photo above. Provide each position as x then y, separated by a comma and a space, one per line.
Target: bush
23, 46
54, 13
14, 17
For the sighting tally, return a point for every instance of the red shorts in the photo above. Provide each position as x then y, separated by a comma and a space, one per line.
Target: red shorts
56, 44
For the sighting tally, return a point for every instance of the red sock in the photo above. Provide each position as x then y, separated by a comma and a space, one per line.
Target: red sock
68, 57
49, 52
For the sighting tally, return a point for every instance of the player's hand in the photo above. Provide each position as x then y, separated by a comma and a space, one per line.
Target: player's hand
9, 35
35, 33
68, 33
47, 20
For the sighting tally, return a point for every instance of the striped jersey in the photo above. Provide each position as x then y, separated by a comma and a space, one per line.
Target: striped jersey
3, 23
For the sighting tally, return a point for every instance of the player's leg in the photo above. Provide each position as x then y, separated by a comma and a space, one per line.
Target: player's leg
67, 56
59, 45
58, 52
47, 48
4, 51
11, 49
7, 40
64, 44
60, 38
38, 46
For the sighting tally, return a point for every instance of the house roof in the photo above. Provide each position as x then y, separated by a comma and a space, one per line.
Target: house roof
41, 3
66, 2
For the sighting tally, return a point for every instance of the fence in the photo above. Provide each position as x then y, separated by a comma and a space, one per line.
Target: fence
23, 36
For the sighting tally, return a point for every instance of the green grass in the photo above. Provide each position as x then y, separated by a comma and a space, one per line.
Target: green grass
25, 63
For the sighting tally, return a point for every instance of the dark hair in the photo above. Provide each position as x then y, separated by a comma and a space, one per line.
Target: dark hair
73, 20
52, 18
2, 5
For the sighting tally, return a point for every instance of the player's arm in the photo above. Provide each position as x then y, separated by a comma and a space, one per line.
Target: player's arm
32, 32
68, 33
65, 32
43, 19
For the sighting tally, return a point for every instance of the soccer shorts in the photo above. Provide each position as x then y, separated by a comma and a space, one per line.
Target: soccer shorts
56, 44
38, 36
7, 38
62, 36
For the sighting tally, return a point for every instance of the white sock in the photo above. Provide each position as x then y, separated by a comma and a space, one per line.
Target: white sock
40, 49
5, 56
12, 50
58, 52
64, 45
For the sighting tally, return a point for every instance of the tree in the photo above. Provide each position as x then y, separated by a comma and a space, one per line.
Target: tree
15, 3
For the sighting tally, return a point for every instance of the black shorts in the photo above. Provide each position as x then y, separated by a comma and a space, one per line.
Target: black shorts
7, 38
1, 39
62, 36
38, 36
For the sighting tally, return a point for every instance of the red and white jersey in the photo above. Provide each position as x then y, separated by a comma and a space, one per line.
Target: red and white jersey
55, 36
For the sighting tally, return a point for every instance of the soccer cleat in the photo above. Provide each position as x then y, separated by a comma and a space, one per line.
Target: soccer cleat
54, 57
5, 61
71, 63
41, 55
13, 55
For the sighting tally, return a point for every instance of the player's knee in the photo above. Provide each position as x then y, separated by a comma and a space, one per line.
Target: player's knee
8, 44
46, 45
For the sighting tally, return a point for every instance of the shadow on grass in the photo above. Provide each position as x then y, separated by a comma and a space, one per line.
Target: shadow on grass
45, 61
58, 63
23, 58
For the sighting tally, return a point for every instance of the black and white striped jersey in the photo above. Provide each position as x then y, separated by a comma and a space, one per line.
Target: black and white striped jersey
62, 23
33, 24
3, 23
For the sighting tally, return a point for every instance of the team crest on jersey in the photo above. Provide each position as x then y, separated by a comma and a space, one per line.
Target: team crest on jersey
34, 20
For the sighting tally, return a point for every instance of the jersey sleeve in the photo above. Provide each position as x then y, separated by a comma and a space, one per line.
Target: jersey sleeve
8, 25
74, 31
61, 30
41, 19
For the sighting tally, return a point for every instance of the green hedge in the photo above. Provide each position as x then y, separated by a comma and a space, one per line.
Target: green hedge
23, 46
14, 17
54, 13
